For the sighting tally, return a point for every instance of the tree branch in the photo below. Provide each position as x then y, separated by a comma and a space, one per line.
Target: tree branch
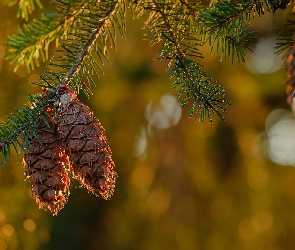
180, 54
87, 46
40, 108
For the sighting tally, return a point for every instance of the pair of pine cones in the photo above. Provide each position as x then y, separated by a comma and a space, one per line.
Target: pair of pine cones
74, 141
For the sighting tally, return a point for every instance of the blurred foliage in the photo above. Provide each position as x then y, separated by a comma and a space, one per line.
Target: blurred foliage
25, 7
194, 186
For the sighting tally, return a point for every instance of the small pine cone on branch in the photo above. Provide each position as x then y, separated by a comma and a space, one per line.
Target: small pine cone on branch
82, 136
45, 164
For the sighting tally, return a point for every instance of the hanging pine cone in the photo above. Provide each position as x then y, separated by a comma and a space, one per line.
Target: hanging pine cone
45, 164
290, 84
82, 136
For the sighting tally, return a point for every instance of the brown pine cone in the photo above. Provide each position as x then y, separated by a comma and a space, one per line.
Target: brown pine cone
45, 164
290, 84
82, 136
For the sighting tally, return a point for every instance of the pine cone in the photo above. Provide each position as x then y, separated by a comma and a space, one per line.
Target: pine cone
45, 164
290, 84
82, 136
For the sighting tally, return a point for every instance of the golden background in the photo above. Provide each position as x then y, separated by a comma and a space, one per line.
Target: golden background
182, 184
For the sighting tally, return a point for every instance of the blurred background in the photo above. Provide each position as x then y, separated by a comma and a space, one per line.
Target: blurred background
182, 184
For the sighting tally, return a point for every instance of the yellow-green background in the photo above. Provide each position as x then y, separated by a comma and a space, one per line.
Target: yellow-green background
197, 187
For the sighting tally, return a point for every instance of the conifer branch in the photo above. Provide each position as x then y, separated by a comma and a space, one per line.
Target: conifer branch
228, 24
64, 70
78, 57
286, 37
22, 123
189, 6
25, 7
85, 29
89, 43
32, 42
167, 25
